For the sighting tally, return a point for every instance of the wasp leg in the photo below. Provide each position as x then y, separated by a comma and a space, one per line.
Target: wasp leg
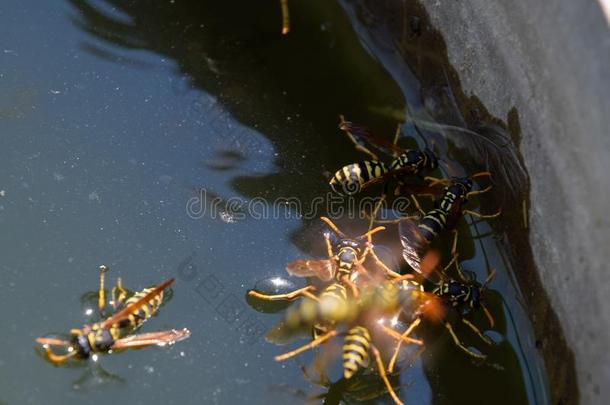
435, 180
490, 318
329, 246
482, 216
391, 332
477, 331
285, 17
384, 376
459, 344
310, 345
58, 359
383, 266
478, 192
357, 145
345, 280
118, 293
101, 294
406, 333
305, 292
376, 210
422, 212
481, 174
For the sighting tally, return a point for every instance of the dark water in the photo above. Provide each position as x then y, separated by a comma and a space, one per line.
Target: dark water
113, 116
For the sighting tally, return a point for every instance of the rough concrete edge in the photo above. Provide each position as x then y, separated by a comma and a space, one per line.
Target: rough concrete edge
551, 61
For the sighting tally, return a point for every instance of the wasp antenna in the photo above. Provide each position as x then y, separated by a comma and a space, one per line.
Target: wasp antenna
372, 232
332, 226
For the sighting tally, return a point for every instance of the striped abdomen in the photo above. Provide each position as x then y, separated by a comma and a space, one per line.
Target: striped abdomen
415, 161
333, 306
434, 222
350, 179
145, 311
356, 350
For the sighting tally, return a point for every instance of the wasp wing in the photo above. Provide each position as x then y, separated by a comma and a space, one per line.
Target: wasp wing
166, 337
413, 243
363, 136
131, 308
323, 269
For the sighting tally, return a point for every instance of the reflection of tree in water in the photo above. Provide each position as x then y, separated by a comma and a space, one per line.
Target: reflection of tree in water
290, 89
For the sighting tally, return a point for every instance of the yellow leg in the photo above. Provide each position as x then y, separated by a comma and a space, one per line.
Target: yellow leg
477, 331
383, 266
376, 210
384, 376
310, 345
488, 315
422, 212
329, 246
478, 192
101, 295
398, 336
459, 344
406, 333
396, 135
482, 216
346, 281
481, 174
56, 358
285, 17
302, 292
435, 180
119, 294
345, 125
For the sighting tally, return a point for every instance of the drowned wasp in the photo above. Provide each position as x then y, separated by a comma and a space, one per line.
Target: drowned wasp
115, 331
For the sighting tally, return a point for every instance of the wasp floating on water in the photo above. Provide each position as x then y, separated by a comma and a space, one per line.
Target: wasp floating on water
115, 332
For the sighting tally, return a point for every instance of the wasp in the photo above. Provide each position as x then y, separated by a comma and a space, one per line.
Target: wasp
344, 264
448, 294
115, 331
352, 178
361, 322
448, 209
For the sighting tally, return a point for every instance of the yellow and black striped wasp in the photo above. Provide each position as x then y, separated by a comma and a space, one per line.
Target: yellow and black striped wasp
344, 264
115, 332
352, 178
366, 324
416, 236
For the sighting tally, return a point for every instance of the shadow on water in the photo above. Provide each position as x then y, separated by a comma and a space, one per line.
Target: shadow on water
291, 90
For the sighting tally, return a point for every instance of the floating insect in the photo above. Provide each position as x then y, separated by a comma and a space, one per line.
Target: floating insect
344, 267
115, 331
358, 330
465, 297
352, 178
449, 208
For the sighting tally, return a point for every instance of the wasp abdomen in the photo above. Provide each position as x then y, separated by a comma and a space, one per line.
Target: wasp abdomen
350, 179
355, 350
